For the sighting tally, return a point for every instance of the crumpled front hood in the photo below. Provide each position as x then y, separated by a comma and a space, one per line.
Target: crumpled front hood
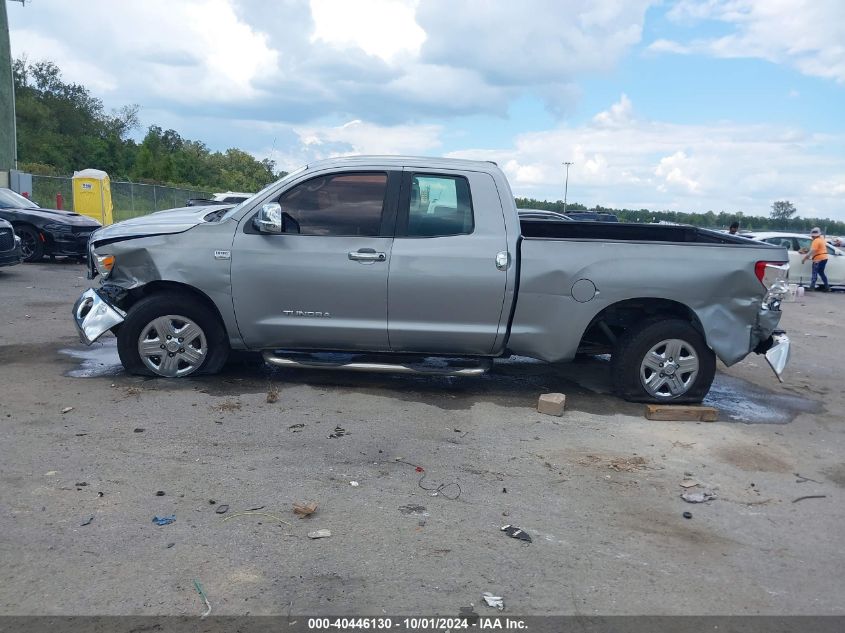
160, 223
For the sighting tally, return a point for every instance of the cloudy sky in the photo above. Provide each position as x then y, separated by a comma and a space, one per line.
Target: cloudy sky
717, 104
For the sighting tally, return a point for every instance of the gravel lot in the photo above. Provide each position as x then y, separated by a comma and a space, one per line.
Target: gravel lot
598, 489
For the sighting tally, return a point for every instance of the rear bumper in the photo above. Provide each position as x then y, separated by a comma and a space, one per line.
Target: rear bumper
777, 351
94, 316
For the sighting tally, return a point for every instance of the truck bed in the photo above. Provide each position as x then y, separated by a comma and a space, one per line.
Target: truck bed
626, 232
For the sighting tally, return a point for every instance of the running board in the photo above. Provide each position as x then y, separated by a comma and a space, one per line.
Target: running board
386, 368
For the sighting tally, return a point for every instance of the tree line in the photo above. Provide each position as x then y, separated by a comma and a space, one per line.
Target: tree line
781, 218
62, 128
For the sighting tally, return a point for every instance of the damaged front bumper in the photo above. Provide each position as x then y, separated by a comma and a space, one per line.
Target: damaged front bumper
94, 316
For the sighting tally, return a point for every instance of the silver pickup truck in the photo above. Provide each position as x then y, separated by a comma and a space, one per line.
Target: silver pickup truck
373, 263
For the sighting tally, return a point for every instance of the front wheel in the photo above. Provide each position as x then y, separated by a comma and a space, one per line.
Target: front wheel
171, 336
663, 361
32, 248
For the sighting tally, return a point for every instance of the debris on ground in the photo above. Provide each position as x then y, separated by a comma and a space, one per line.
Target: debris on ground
138, 430
698, 497
100, 494
133, 391
680, 413
319, 534
339, 431
81, 484
628, 464
169, 545
354, 484
257, 508
551, 404
164, 520
264, 514
413, 508
296, 428
304, 509
802, 479
67, 410
201, 592
689, 483
88, 521
228, 406
517, 533
687, 515
453, 487
493, 601
159, 493
272, 396
222, 509
809, 497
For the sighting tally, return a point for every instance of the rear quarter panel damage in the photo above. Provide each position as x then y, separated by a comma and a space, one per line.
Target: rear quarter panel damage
716, 282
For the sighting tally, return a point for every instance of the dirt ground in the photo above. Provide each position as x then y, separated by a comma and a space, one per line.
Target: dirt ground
90, 455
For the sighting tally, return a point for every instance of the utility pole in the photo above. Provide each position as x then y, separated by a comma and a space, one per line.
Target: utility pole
8, 149
566, 186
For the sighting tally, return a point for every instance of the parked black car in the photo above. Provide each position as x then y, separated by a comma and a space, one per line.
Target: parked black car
10, 245
45, 231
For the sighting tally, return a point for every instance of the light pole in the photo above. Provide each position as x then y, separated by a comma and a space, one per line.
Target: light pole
566, 186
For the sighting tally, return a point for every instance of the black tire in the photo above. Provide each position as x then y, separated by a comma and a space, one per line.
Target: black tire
31, 244
632, 348
149, 308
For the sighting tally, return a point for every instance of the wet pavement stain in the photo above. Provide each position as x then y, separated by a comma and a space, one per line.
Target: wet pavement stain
514, 382
100, 359
741, 401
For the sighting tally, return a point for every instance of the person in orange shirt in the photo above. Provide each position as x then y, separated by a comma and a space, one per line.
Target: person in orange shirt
818, 253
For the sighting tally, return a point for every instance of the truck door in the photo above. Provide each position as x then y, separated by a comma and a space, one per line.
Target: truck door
322, 283
445, 291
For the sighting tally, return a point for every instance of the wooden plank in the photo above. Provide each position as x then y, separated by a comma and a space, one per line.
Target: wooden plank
680, 413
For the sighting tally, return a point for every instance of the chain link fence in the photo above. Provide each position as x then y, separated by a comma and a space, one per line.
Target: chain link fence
129, 199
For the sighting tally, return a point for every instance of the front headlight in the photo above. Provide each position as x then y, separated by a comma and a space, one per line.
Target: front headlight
55, 227
104, 264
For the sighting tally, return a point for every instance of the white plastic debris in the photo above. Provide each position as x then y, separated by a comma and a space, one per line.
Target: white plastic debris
354, 484
67, 409
493, 601
320, 534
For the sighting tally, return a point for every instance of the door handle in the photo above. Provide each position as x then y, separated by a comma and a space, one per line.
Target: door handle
366, 255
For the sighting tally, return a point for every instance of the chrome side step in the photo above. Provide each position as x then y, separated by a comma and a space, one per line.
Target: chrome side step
387, 368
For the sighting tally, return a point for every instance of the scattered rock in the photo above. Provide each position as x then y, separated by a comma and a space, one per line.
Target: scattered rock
67, 410
551, 404
698, 497
304, 509
222, 509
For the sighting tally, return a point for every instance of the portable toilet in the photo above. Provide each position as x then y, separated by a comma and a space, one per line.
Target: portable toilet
92, 195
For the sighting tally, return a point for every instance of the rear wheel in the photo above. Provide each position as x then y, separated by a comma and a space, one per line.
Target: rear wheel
171, 336
32, 247
663, 361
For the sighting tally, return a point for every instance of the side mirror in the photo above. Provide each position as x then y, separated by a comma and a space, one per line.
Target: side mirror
269, 219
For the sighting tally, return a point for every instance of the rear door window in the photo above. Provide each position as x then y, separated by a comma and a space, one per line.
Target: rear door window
439, 206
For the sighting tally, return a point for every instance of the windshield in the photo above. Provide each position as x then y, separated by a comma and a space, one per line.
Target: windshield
240, 206
11, 200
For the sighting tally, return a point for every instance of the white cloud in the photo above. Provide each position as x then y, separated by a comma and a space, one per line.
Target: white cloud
194, 50
692, 167
806, 34
383, 28
299, 60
